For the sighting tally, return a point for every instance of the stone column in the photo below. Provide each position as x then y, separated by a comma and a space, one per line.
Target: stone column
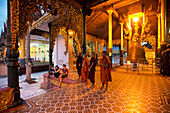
28, 60
12, 66
22, 46
121, 48
110, 35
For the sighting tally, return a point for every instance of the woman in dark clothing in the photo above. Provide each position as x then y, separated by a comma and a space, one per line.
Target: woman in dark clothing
79, 64
92, 69
57, 73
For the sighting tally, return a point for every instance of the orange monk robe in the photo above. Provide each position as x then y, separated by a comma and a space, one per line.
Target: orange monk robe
105, 72
84, 70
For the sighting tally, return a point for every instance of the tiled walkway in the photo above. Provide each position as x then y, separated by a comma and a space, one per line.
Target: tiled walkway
27, 90
127, 93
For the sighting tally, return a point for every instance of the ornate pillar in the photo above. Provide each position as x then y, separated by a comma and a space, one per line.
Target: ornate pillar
96, 49
110, 35
12, 54
22, 46
159, 30
71, 57
163, 21
28, 60
159, 36
121, 48
84, 29
96, 46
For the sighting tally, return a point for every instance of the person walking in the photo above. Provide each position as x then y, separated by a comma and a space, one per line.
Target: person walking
92, 69
84, 69
105, 71
79, 64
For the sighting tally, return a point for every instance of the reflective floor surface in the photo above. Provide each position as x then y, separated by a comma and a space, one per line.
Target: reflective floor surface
127, 93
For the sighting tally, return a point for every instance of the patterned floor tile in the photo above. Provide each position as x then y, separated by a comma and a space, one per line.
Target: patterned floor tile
127, 93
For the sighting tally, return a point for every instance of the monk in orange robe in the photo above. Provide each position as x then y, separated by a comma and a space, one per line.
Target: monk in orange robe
84, 69
105, 71
92, 69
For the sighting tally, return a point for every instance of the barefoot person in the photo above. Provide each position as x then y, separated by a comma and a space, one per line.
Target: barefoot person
84, 69
92, 69
79, 64
63, 75
105, 71
57, 74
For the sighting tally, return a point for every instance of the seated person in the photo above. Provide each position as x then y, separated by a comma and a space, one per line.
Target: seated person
57, 74
64, 74
65, 71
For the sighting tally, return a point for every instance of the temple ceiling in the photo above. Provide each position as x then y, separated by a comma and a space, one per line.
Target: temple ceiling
97, 22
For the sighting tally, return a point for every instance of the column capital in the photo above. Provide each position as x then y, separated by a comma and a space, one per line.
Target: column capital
121, 23
158, 15
110, 11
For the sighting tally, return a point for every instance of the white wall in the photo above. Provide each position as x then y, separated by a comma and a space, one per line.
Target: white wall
59, 49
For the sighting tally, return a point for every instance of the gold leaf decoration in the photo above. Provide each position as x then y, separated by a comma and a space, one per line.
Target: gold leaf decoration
23, 11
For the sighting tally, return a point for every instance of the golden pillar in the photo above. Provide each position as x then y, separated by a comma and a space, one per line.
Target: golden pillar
159, 30
110, 28
110, 34
96, 46
121, 48
35, 52
121, 35
163, 21
102, 47
70, 34
22, 47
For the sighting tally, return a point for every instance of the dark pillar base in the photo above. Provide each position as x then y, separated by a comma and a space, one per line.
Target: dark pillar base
13, 80
121, 57
17, 100
163, 47
22, 62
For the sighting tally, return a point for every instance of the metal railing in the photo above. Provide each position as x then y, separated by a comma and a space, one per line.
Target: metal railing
143, 62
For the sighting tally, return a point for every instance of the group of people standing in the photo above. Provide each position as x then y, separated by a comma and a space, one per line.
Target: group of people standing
87, 71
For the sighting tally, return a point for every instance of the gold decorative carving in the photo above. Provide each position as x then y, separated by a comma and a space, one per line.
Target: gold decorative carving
5, 98
70, 16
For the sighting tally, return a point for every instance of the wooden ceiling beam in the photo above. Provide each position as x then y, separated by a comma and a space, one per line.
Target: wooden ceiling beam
124, 3
93, 35
93, 3
93, 18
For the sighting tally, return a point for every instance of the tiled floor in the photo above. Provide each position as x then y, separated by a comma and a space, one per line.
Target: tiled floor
128, 92
27, 90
